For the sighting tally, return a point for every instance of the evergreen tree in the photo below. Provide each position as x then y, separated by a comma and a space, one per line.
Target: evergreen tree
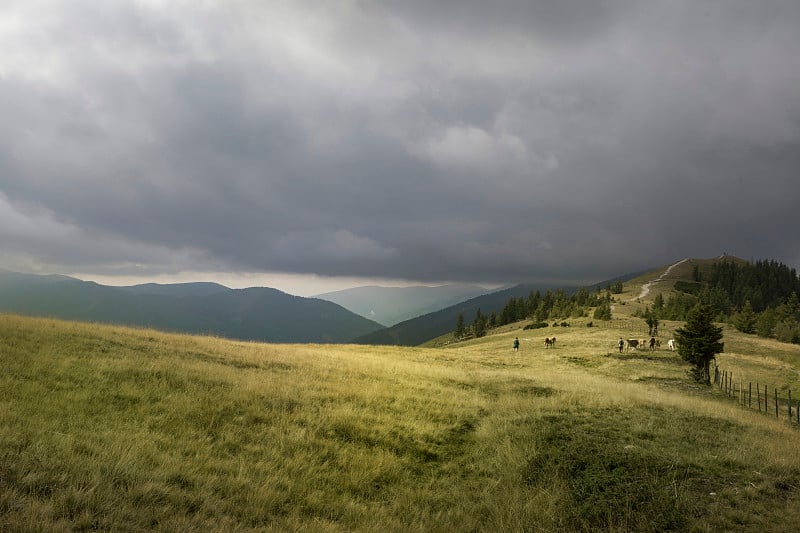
745, 321
658, 303
651, 319
460, 326
479, 325
788, 330
699, 341
696, 274
765, 323
603, 311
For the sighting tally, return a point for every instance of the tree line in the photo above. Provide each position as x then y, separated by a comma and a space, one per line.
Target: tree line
540, 308
759, 298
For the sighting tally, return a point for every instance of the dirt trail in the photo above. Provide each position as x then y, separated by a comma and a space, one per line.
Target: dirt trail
646, 286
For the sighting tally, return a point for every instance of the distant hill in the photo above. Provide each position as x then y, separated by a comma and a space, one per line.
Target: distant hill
391, 305
260, 314
424, 328
421, 329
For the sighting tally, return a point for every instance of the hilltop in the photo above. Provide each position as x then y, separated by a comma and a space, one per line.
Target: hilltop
110, 428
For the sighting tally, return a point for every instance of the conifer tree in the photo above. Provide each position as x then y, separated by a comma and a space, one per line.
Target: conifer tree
603, 311
745, 321
699, 341
658, 303
766, 322
479, 325
460, 326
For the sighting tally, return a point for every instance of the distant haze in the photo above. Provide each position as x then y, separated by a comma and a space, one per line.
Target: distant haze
314, 146
390, 305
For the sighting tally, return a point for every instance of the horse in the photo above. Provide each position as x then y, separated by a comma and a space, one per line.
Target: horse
548, 342
671, 344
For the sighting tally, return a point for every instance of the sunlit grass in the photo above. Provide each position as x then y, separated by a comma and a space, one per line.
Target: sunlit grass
112, 428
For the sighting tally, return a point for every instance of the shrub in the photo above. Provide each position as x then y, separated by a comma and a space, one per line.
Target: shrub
536, 325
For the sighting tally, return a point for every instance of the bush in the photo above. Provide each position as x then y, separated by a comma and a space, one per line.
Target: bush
536, 325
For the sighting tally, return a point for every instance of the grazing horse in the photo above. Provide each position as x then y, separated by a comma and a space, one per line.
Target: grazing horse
632, 343
548, 342
553, 342
671, 344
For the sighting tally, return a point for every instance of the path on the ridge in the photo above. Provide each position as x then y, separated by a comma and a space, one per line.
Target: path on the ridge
646, 286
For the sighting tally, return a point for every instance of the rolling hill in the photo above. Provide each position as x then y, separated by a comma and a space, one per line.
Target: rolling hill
421, 329
261, 314
106, 428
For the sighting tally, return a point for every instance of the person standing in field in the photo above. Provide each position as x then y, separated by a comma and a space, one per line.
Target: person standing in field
516, 344
620, 344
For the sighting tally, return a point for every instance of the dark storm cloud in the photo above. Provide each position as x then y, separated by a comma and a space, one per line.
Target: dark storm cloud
489, 142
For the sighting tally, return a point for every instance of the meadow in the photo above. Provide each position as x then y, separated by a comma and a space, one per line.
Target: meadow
118, 429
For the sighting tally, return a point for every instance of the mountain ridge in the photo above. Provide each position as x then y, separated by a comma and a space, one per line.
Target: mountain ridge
257, 313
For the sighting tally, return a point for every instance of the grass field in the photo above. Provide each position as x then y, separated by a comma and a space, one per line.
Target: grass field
115, 429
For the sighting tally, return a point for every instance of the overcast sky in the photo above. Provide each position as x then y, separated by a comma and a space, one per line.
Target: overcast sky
491, 142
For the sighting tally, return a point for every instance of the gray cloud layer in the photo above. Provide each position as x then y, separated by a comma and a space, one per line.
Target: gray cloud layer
477, 141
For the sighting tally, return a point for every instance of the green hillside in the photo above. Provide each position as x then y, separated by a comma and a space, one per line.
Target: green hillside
114, 429
256, 313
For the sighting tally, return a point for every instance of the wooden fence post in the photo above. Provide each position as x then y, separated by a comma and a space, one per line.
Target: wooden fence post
776, 403
758, 394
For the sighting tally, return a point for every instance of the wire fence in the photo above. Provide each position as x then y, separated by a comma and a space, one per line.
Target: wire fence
768, 401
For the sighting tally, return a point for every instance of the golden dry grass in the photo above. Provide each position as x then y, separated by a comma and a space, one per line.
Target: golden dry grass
123, 429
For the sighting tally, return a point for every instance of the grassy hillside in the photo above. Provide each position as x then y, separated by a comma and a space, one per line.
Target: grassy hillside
109, 428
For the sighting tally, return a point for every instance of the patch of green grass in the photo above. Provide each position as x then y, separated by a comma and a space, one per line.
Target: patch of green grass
623, 477
582, 361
